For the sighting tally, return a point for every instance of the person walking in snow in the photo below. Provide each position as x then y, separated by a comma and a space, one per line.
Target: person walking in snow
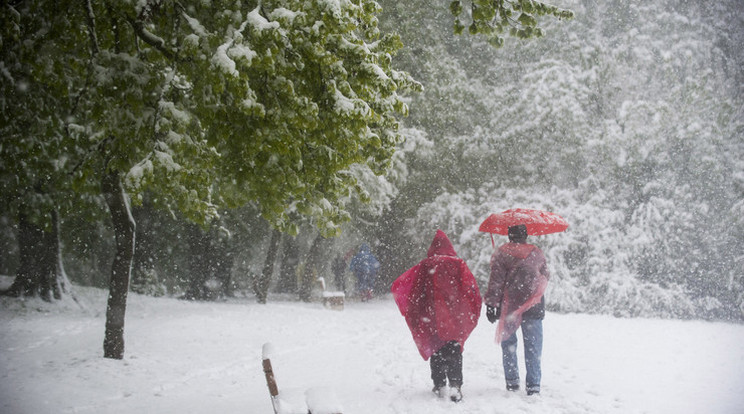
441, 303
514, 297
364, 265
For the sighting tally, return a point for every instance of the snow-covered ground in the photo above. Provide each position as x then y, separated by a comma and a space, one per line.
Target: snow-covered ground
185, 357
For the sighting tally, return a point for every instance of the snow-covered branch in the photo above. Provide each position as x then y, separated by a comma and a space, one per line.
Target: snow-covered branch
150, 38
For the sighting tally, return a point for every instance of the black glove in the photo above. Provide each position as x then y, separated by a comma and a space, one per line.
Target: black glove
493, 314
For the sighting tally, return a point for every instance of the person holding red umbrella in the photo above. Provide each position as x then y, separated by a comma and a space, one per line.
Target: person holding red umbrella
441, 303
514, 297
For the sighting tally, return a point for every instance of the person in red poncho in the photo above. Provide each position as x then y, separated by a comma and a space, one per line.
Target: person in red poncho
441, 303
519, 275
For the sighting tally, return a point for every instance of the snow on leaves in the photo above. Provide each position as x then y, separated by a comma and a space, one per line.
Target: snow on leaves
206, 102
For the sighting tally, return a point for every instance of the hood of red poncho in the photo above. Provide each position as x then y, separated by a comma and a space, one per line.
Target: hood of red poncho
441, 246
438, 297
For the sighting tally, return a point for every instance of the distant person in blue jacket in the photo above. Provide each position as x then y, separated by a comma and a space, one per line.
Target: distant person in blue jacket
364, 265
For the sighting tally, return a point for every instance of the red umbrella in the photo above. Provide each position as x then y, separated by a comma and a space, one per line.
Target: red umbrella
538, 222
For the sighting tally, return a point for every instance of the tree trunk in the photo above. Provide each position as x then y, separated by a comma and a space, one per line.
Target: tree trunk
145, 279
121, 218
224, 265
40, 271
220, 262
262, 282
394, 253
199, 263
8, 246
310, 273
210, 264
288, 273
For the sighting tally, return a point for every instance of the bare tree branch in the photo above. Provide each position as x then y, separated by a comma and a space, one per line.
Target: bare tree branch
90, 20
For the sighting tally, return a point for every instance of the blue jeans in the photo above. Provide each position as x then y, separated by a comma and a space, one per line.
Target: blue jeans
532, 334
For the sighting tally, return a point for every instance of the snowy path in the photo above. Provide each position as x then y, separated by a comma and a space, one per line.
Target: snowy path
206, 358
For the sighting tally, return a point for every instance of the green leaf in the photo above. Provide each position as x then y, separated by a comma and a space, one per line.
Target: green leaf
459, 27
527, 20
456, 8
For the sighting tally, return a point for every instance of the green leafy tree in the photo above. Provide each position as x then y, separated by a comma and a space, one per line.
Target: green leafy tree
39, 94
314, 92
495, 18
231, 103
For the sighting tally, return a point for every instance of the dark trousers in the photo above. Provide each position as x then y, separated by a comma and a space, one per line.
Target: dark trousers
446, 363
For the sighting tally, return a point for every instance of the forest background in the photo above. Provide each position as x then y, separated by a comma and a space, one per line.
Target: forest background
628, 120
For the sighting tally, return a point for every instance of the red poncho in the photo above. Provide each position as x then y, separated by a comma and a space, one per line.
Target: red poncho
439, 298
519, 276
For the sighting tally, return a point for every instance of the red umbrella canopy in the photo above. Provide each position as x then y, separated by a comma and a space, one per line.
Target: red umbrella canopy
538, 222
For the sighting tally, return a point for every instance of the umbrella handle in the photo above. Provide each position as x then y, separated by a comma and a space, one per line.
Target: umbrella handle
493, 243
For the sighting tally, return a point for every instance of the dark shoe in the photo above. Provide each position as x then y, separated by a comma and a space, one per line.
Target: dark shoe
512, 387
455, 394
533, 392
